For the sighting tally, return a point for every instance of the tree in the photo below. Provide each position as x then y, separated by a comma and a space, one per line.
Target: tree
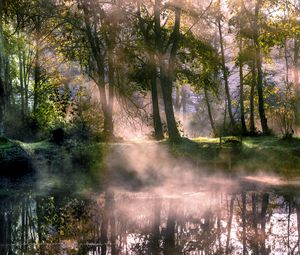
224, 68
202, 69
167, 63
144, 25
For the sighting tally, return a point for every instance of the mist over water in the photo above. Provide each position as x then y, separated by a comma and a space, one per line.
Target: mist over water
150, 202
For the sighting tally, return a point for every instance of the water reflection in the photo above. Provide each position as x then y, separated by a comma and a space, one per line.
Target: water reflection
206, 221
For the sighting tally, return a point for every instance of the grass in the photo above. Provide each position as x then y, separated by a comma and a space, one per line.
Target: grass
271, 154
259, 154
233, 155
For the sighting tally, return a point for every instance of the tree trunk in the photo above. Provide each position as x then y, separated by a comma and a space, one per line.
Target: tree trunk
184, 102
225, 76
296, 65
98, 57
2, 90
26, 81
167, 73
104, 106
209, 112
2, 99
37, 78
21, 76
296, 79
242, 108
261, 106
158, 130
166, 85
252, 93
152, 65
177, 104
7, 84
111, 79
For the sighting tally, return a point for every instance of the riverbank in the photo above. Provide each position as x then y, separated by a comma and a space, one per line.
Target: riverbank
231, 156
246, 155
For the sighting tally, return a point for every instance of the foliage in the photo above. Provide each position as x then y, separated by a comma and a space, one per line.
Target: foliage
85, 118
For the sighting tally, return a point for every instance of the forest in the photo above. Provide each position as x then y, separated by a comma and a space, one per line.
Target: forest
160, 69
157, 127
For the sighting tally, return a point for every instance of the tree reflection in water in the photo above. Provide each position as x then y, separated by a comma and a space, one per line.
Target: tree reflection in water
122, 222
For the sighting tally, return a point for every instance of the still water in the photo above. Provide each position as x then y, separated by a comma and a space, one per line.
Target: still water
188, 214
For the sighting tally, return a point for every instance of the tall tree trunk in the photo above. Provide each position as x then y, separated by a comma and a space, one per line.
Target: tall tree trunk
26, 81
242, 108
98, 57
224, 69
209, 112
158, 130
177, 104
152, 65
111, 79
296, 65
2, 99
167, 73
21, 76
7, 84
258, 57
37, 79
184, 102
166, 85
252, 94
2, 90
104, 106
296, 79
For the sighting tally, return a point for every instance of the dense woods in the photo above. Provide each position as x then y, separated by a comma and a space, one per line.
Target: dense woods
168, 68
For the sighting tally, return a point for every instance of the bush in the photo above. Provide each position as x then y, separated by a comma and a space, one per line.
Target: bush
86, 120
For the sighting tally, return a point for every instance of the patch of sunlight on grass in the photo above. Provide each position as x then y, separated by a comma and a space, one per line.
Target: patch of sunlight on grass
206, 140
248, 144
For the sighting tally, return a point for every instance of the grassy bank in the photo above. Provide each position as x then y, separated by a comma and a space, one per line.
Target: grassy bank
232, 155
250, 155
